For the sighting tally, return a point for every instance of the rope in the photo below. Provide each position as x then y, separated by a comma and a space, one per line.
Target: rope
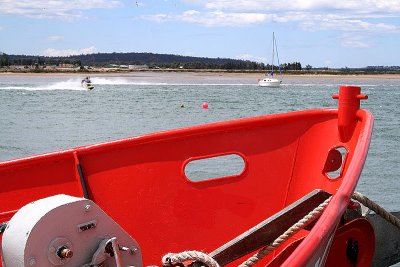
314, 214
376, 208
172, 259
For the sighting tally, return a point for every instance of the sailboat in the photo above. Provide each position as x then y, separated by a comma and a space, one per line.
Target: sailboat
269, 80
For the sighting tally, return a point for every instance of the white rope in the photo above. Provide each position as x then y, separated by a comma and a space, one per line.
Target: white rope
314, 214
376, 208
172, 259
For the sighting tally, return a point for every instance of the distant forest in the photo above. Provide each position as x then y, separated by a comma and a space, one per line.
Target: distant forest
162, 61
150, 59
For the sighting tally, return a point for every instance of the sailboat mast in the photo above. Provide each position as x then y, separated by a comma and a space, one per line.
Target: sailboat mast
273, 53
277, 56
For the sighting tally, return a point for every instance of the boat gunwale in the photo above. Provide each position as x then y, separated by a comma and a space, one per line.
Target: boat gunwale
320, 233
170, 134
323, 229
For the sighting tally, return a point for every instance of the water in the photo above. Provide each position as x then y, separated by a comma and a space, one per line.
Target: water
43, 113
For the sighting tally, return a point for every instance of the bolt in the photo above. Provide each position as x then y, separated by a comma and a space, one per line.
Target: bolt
133, 250
64, 253
123, 248
32, 261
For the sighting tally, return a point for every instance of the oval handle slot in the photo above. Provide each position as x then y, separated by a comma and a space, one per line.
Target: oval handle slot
214, 167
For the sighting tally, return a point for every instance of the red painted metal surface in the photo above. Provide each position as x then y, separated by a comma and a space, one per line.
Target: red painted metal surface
348, 107
353, 245
140, 181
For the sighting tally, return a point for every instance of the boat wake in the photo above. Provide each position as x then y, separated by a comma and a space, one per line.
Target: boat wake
71, 84
75, 84
123, 81
110, 81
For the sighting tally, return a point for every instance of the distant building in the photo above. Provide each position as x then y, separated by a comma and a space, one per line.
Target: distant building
64, 65
135, 67
19, 67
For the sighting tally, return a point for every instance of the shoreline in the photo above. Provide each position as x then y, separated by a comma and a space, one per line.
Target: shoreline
157, 73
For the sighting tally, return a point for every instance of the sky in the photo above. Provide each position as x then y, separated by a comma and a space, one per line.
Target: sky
321, 33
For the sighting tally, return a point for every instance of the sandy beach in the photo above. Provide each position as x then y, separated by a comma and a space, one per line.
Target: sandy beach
196, 74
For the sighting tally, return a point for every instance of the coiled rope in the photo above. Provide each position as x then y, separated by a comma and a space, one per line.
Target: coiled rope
172, 259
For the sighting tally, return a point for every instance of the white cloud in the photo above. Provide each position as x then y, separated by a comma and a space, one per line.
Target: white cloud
251, 58
158, 17
311, 15
51, 52
359, 6
55, 38
343, 23
213, 19
219, 18
354, 41
139, 4
62, 9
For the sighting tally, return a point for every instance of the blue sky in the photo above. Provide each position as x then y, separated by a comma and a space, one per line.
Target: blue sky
322, 33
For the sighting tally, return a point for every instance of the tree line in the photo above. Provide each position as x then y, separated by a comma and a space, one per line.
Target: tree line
150, 59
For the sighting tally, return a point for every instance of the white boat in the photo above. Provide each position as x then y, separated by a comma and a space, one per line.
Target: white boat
269, 80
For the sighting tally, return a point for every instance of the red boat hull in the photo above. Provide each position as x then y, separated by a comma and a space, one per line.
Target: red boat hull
141, 182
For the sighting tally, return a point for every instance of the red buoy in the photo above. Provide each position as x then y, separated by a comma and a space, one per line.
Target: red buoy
204, 105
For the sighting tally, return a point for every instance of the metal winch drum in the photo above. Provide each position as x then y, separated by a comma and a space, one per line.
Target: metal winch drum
67, 231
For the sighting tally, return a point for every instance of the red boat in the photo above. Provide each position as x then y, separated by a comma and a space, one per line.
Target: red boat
131, 201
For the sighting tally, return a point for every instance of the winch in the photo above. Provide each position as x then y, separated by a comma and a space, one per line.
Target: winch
63, 230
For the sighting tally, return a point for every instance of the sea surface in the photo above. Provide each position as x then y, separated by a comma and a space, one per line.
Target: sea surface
44, 113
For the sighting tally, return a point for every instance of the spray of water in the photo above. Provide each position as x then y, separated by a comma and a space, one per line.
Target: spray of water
70, 84
75, 84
